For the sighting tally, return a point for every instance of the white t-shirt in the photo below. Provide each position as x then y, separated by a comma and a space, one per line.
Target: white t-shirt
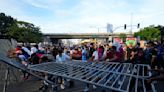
26, 50
62, 58
95, 54
34, 50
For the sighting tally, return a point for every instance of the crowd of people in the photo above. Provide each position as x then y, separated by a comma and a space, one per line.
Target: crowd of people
152, 53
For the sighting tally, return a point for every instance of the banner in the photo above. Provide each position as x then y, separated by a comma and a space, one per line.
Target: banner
117, 40
131, 41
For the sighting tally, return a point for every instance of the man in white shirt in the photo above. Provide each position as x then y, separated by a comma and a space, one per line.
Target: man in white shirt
62, 57
94, 55
94, 58
33, 49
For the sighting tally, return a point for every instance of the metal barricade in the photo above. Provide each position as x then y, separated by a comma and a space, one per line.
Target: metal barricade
17, 65
123, 77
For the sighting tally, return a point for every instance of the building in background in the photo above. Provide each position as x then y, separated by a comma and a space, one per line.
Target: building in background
109, 28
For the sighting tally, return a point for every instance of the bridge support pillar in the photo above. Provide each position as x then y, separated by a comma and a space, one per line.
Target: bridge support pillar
56, 41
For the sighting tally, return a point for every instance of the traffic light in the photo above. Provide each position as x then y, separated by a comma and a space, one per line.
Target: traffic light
138, 25
124, 26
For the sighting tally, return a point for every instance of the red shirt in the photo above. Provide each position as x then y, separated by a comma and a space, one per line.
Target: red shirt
109, 55
118, 55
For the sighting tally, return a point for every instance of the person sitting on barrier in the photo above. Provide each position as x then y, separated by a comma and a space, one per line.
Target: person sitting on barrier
23, 54
35, 55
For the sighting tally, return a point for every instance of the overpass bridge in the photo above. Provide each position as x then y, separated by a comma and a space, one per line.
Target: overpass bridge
81, 35
56, 37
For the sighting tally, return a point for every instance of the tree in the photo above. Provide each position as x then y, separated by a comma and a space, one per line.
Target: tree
20, 30
123, 36
5, 23
25, 32
149, 33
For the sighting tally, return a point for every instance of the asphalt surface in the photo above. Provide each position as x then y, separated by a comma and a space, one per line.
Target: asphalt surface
33, 86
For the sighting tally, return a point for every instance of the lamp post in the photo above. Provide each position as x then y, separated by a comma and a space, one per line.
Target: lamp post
131, 23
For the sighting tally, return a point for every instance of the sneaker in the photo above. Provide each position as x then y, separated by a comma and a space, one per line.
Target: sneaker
62, 86
24, 63
94, 87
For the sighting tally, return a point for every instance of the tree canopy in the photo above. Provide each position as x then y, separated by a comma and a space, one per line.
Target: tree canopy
20, 30
149, 33
123, 36
5, 23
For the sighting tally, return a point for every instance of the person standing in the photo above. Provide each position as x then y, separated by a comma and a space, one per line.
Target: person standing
84, 54
60, 58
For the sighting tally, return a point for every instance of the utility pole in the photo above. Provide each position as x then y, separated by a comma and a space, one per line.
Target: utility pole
98, 29
131, 22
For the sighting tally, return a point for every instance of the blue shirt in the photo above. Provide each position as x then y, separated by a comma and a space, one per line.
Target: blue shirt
84, 55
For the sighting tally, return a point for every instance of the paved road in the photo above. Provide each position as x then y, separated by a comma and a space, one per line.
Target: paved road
33, 85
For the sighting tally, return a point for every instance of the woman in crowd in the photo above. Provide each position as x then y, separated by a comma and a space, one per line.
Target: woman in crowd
113, 55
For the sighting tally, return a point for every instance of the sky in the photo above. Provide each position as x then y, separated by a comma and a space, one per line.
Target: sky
85, 16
